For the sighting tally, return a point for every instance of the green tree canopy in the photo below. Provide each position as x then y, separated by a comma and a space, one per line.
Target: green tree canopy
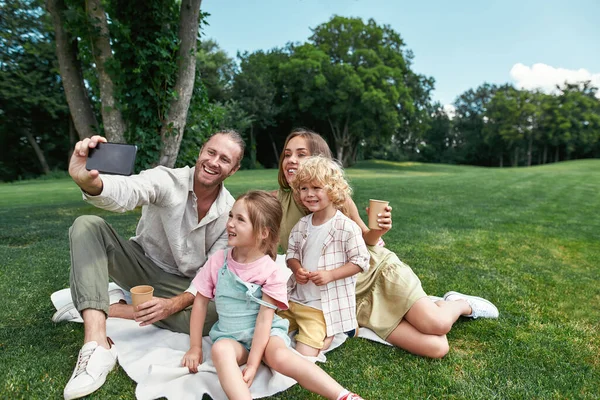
355, 78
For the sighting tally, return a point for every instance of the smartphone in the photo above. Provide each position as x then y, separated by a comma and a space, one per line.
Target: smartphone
112, 158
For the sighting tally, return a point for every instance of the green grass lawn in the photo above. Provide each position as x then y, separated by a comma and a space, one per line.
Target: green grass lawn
528, 239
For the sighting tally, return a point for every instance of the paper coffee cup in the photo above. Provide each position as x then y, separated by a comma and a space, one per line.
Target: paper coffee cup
141, 294
376, 207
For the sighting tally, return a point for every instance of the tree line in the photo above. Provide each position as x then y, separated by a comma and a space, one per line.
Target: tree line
144, 75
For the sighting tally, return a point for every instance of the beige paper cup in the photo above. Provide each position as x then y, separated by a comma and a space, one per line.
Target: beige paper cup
376, 207
141, 294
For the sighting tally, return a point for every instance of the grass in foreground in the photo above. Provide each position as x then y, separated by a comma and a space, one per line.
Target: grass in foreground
528, 239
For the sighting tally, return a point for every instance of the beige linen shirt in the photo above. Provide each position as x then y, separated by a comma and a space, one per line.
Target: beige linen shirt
168, 230
344, 244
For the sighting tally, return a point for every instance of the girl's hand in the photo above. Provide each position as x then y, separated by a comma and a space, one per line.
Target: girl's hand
384, 219
302, 276
192, 359
248, 374
321, 278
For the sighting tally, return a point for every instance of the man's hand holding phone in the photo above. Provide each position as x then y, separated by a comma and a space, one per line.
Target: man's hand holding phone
94, 156
89, 181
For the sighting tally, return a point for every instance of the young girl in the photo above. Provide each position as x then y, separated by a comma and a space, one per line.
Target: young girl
325, 252
248, 287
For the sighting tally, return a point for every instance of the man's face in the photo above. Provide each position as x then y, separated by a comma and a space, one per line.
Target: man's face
218, 159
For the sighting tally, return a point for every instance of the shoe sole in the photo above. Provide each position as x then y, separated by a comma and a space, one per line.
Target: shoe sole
88, 390
59, 315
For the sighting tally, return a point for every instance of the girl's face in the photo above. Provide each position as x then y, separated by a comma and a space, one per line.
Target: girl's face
295, 151
239, 228
314, 197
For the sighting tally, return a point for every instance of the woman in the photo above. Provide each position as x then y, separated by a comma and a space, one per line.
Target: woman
389, 297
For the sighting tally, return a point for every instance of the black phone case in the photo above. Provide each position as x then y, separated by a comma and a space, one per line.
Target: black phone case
112, 158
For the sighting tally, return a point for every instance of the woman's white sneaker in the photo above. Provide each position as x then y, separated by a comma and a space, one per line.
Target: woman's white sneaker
480, 307
435, 298
93, 365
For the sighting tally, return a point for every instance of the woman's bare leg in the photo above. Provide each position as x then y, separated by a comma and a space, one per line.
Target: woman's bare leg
282, 359
227, 356
409, 338
436, 318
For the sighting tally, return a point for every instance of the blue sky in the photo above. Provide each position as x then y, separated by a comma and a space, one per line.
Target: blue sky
460, 43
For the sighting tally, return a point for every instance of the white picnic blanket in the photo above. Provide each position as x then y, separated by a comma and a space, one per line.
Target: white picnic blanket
151, 357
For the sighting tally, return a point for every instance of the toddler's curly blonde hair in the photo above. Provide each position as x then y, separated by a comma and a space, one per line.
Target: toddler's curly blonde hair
326, 173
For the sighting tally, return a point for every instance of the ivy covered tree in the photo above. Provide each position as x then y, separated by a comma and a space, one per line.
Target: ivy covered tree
141, 67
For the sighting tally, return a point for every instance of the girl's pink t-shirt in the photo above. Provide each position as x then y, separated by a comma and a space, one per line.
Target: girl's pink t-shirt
264, 272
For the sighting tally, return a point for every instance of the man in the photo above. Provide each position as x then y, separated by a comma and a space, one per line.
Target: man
183, 220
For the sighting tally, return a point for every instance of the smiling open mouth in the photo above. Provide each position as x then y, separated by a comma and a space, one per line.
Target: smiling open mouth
210, 172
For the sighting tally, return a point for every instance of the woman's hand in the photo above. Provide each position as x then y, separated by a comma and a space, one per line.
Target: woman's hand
192, 359
384, 219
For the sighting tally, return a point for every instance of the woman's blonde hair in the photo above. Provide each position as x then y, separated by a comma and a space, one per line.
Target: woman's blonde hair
316, 146
326, 173
264, 212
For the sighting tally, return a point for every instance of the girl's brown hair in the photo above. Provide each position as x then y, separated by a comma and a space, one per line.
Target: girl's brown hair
316, 146
265, 212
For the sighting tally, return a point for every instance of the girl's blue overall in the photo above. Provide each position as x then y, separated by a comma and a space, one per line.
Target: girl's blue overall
237, 304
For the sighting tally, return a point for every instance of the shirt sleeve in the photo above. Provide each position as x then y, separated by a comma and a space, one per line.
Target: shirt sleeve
276, 285
125, 193
294, 242
206, 278
356, 249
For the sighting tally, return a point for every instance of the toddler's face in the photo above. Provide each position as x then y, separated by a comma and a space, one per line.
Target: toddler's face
314, 196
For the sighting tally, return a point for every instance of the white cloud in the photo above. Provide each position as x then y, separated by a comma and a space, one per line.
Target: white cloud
546, 77
450, 110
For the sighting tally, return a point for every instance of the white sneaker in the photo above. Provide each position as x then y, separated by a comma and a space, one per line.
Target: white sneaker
68, 312
480, 307
93, 364
435, 298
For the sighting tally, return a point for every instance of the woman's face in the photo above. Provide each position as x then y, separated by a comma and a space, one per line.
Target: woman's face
295, 151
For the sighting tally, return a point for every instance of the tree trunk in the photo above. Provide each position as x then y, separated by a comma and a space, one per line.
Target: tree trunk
501, 160
529, 149
343, 141
114, 126
556, 155
252, 147
274, 149
72, 139
516, 157
172, 129
545, 154
70, 71
38, 151
351, 154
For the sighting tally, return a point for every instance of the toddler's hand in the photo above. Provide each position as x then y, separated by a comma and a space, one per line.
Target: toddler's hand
192, 359
302, 276
321, 278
